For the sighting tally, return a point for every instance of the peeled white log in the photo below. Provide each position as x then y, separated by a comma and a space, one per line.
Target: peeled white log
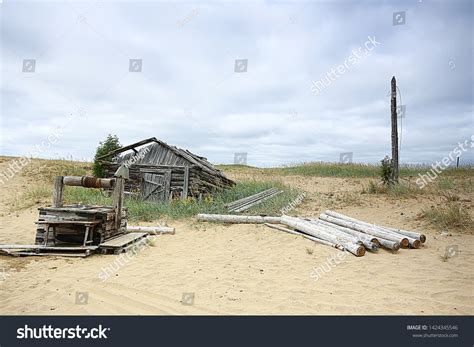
230, 218
361, 236
151, 230
367, 230
412, 234
413, 242
315, 231
312, 238
393, 245
364, 240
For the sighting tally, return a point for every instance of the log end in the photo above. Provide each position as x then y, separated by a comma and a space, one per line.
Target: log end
396, 246
422, 238
375, 241
404, 242
415, 244
360, 251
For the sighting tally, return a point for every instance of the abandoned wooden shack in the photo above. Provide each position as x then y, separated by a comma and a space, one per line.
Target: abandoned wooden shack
159, 172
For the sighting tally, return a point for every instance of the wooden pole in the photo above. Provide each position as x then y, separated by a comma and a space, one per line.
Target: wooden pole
361, 236
314, 230
118, 198
88, 181
150, 230
58, 191
365, 229
395, 164
230, 218
413, 238
333, 229
312, 238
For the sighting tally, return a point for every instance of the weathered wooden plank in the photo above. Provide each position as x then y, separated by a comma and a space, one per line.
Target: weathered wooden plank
58, 191
122, 240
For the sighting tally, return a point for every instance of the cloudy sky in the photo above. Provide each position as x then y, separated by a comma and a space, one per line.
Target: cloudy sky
66, 81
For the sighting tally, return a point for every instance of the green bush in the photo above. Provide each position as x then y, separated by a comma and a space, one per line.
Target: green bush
386, 170
110, 144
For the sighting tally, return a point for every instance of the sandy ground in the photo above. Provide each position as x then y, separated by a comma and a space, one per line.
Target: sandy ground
246, 269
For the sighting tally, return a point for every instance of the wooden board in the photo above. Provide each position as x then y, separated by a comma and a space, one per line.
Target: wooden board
79, 255
122, 240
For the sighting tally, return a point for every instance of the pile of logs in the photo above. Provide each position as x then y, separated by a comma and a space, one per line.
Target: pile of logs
333, 229
246, 203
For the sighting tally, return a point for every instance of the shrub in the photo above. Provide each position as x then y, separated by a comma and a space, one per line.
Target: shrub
386, 170
110, 144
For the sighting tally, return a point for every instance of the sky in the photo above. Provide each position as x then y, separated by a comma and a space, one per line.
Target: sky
311, 81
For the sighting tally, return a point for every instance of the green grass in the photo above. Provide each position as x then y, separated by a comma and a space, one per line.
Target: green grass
177, 209
322, 169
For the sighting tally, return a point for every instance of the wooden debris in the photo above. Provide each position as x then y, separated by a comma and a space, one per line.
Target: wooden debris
246, 203
120, 243
151, 230
345, 234
414, 239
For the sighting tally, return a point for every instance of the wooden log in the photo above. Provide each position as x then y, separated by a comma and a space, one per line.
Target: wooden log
223, 218
151, 230
312, 238
355, 233
395, 245
314, 230
58, 191
49, 248
372, 230
412, 234
362, 239
88, 182
413, 242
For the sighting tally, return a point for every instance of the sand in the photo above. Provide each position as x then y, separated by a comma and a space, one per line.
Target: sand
246, 269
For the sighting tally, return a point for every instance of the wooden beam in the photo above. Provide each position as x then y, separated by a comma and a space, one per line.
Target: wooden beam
126, 148
58, 191
184, 194
117, 198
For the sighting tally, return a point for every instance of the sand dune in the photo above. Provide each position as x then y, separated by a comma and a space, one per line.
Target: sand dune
247, 269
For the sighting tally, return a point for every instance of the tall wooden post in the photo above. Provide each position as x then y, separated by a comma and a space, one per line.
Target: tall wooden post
395, 165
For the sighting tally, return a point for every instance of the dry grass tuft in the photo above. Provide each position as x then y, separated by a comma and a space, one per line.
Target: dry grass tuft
450, 215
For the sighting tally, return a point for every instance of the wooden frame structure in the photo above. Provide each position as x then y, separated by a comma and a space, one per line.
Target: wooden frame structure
78, 224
